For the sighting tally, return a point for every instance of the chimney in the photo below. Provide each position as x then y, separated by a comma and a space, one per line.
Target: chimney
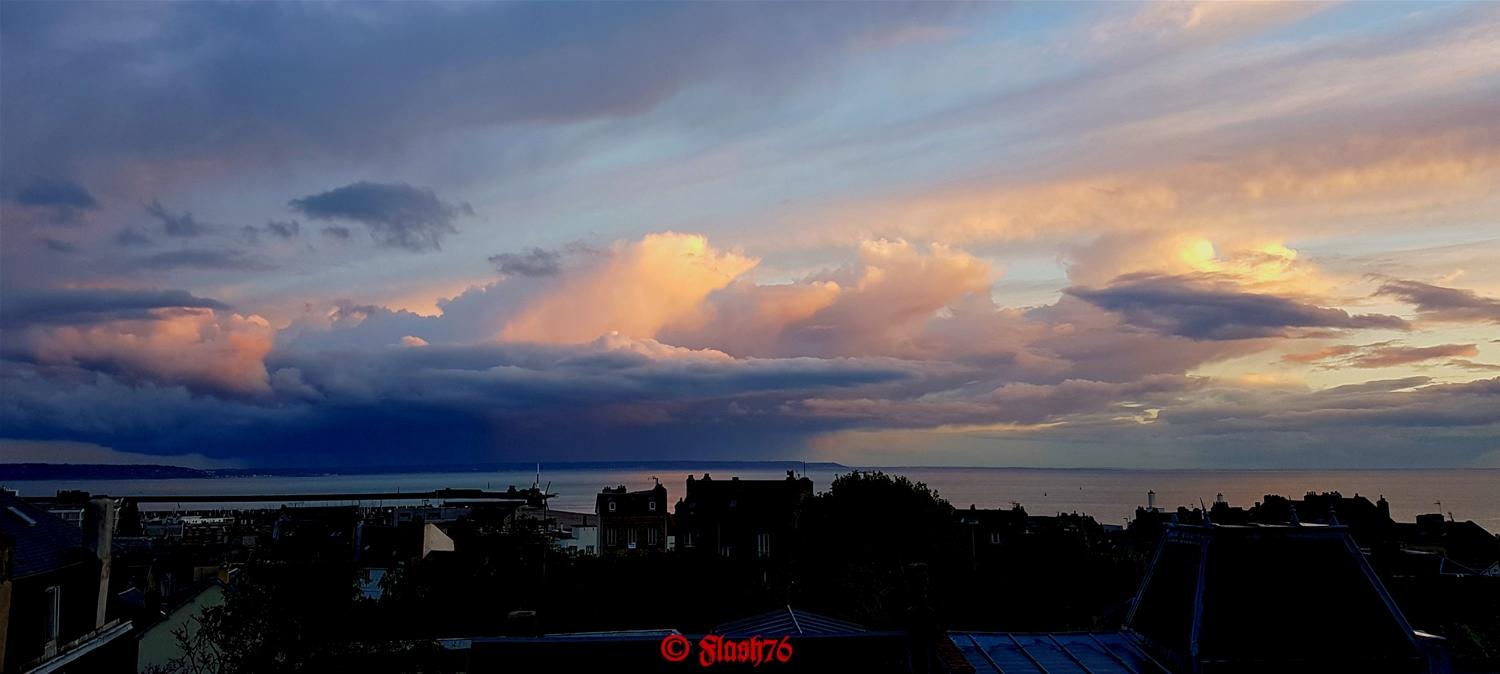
98, 537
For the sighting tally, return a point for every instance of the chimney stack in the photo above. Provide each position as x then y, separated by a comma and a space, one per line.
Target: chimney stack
98, 537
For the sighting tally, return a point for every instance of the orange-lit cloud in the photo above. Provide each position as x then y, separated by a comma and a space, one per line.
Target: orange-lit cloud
639, 288
200, 348
877, 306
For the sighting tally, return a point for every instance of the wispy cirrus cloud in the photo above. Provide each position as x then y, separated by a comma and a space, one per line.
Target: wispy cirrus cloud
1382, 354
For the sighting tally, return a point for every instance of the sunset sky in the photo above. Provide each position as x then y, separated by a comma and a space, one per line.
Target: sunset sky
1163, 235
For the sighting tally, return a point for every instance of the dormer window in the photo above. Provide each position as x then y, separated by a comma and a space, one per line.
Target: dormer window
611, 506
653, 506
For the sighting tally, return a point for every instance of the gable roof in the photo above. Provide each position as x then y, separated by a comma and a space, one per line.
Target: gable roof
42, 542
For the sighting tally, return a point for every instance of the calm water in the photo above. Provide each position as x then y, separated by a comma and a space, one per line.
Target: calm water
1109, 495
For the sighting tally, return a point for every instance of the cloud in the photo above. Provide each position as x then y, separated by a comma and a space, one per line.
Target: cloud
46, 451
285, 231
877, 306
47, 201
198, 348
89, 305
1203, 307
55, 193
1444, 304
397, 214
59, 246
265, 83
1382, 354
207, 259
481, 402
131, 236
636, 290
181, 225
336, 232
531, 262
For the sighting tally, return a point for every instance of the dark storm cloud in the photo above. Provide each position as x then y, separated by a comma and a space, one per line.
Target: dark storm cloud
180, 225
1444, 304
1199, 309
531, 262
396, 214
208, 259
89, 305
478, 402
269, 81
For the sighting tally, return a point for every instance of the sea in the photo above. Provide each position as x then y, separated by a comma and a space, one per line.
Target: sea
1109, 495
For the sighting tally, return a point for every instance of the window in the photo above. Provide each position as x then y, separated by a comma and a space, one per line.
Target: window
53, 626
763, 545
611, 506
653, 506
651, 535
611, 535
994, 538
631, 534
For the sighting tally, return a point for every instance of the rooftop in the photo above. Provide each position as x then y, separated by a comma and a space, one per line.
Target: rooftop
42, 541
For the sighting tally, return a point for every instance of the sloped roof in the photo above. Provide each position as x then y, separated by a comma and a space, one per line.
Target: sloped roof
787, 622
42, 541
1058, 652
1269, 597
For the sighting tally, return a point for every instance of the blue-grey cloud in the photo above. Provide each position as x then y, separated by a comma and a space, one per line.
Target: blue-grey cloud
56, 193
397, 214
530, 262
131, 236
1444, 304
87, 305
337, 233
271, 81
59, 246
1197, 308
208, 259
181, 225
284, 230
479, 402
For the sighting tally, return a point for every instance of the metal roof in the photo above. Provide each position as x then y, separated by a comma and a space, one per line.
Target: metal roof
785, 622
1057, 652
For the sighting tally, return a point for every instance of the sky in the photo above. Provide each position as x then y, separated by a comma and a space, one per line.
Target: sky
1129, 235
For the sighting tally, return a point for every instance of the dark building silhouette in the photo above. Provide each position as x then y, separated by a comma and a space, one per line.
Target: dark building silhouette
741, 518
1226, 598
54, 590
632, 520
1221, 599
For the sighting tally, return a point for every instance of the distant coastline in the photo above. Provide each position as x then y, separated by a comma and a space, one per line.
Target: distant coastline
102, 471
